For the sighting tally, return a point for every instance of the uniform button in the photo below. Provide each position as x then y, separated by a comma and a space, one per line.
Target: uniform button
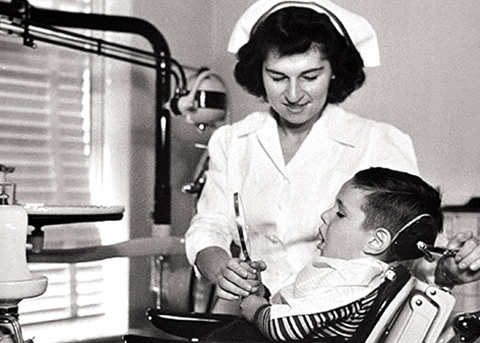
274, 240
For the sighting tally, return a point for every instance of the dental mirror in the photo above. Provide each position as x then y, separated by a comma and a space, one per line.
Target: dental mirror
241, 225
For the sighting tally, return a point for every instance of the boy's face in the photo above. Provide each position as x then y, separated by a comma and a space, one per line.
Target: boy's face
342, 234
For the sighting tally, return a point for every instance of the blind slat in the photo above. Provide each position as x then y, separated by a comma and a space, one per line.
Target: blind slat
43, 130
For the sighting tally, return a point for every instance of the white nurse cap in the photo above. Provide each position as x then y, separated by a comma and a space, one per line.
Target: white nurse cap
358, 28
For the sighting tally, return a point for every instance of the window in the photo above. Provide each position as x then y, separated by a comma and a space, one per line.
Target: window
48, 133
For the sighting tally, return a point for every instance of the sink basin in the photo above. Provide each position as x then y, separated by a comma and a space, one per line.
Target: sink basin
12, 292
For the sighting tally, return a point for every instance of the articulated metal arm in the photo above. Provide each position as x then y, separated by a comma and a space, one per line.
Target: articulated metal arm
20, 18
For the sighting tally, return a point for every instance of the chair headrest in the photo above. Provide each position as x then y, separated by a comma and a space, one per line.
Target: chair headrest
405, 243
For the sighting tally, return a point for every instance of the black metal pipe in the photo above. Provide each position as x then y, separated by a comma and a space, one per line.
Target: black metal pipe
21, 9
54, 35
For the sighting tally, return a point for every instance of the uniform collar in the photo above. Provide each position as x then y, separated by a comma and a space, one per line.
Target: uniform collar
335, 121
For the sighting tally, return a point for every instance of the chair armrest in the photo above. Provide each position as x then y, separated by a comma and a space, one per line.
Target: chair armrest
190, 325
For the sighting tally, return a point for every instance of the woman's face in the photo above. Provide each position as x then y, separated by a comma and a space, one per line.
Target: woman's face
297, 85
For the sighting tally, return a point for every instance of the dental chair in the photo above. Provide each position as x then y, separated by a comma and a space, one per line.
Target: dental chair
405, 311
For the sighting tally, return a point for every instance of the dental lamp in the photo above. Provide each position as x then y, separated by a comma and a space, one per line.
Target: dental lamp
205, 104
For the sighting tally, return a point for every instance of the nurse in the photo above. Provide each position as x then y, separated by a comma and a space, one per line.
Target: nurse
303, 58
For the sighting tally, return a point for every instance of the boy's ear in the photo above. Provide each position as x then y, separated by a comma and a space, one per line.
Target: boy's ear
378, 243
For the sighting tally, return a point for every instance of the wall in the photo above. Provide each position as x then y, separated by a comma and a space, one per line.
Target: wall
428, 85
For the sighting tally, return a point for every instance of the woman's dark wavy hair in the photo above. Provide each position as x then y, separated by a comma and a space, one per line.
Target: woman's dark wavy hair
295, 30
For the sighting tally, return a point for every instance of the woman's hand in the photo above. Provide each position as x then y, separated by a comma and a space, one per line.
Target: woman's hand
465, 266
250, 305
239, 279
234, 278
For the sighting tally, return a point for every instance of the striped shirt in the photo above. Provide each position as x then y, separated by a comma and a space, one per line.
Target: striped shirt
317, 327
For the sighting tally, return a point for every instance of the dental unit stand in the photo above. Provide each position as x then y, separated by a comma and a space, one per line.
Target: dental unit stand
16, 280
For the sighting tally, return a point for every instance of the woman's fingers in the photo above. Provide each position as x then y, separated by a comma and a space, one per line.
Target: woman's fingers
228, 291
237, 279
465, 266
259, 265
468, 256
248, 270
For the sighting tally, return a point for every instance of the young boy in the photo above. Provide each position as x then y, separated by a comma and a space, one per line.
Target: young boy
331, 296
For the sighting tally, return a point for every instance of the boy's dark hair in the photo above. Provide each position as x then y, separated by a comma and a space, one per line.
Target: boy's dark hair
395, 198
295, 30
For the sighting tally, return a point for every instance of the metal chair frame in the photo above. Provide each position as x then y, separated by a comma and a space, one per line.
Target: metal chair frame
406, 310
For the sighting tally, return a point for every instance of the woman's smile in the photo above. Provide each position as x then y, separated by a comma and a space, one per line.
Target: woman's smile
297, 85
296, 107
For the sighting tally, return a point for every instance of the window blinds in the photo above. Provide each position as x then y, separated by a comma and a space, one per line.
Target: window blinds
45, 134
